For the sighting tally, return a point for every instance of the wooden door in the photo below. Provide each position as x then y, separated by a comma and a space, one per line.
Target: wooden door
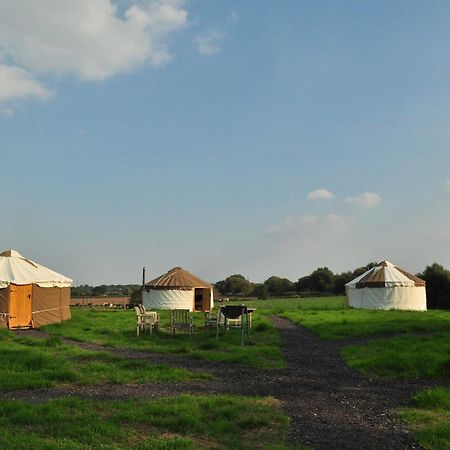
206, 299
20, 306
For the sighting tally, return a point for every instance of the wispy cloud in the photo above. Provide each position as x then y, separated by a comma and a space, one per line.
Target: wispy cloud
316, 223
88, 39
320, 194
366, 200
17, 83
209, 42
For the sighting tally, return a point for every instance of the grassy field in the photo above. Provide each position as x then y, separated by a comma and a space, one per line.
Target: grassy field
36, 363
182, 422
118, 328
405, 345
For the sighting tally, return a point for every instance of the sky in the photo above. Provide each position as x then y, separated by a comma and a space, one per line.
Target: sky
261, 138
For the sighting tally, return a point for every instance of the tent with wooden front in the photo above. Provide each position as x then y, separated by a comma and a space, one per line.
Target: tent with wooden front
386, 286
31, 295
178, 289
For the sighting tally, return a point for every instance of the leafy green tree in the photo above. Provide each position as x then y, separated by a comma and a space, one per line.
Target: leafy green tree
438, 286
234, 284
340, 280
260, 290
322, 280
276, 285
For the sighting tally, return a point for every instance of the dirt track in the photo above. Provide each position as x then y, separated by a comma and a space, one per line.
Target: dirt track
330, 405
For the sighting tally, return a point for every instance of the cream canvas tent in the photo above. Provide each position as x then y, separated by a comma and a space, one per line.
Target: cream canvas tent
30, 294
178, 289
386, 286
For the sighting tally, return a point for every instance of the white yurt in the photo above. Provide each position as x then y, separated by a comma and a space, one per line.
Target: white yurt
386, 286
178, 289
31, 295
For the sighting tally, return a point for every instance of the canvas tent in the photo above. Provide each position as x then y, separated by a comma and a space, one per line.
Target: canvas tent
178, 289
30, 294
386, 286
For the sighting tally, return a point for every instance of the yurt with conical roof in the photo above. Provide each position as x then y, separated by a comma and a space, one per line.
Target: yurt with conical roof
386, 286
31, 295
178, 289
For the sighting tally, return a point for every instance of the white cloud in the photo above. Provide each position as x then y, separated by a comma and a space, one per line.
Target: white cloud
208, 43
86, 38
366, 200
17, 83
320, 194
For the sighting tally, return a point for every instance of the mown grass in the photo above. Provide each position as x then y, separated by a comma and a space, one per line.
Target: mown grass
28, 363
429, 416
118, 328
410, 356
182, 422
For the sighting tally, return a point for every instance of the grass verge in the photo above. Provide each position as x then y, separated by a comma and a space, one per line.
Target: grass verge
28, 363
429, 417
182, 422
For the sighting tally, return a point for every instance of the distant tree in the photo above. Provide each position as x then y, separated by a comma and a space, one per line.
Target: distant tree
234, 284
276, 285
340, 280
136, 296
360, 270
438, 286
322, 280
303, 284
260, 290
99, 291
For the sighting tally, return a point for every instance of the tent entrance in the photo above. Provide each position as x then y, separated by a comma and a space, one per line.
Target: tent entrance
202, 299
20, 302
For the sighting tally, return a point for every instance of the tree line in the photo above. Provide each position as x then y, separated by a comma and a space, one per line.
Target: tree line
323, 281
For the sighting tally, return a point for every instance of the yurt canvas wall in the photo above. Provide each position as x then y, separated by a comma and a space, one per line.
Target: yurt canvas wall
178, 289
386, 286
30, 294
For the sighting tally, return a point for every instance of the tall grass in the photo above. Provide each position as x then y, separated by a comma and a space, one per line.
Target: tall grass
182, 422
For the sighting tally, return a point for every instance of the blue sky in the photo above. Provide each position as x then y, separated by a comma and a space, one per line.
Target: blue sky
262, 138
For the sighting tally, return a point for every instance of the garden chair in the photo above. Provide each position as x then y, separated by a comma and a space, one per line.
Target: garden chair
212, 319
234, 316
143, 321
153, 315
181, 319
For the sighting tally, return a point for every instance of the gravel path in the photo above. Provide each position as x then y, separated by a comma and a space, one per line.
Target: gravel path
330, 405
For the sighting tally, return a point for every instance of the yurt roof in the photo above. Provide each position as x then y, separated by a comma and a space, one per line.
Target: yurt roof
16, 269
178, 278
385, 274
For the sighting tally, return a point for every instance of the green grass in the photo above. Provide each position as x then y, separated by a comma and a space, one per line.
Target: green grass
429, 416
28, 363
182, 422
329, 319
118, 328
403, 357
